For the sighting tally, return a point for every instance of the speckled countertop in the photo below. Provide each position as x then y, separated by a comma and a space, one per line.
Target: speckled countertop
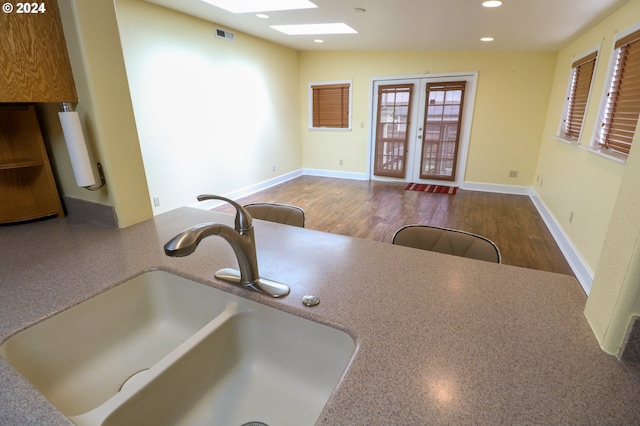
440, 339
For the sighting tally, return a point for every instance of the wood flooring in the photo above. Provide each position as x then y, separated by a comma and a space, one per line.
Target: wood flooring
375, 210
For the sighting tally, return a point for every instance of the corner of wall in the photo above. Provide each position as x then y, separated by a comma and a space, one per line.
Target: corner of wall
88, 211
631, 345
580, 268
105, 109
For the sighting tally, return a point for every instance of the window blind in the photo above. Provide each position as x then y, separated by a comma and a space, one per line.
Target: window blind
331, 105
623, 104
578, 94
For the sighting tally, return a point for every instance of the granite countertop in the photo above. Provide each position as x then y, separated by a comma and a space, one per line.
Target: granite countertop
440, 339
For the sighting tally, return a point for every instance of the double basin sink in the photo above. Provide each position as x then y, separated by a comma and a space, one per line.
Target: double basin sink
161, 349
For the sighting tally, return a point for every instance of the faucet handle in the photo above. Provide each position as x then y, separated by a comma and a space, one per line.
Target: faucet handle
243, 218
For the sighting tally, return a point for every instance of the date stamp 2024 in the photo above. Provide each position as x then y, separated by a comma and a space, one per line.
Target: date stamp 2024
24, 8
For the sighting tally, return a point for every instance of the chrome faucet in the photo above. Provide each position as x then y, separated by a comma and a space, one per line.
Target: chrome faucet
242, 242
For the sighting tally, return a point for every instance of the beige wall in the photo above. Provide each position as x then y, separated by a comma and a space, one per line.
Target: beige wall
595, 189
573, 180
213, 116
105, 111
510, 107
189, 138
615, 294
198, 133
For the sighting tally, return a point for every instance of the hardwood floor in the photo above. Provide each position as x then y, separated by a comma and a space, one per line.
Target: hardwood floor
375, 210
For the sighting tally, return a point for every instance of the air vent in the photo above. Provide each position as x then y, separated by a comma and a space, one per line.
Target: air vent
227, 35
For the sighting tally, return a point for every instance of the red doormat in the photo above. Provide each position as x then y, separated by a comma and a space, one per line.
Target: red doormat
436, 189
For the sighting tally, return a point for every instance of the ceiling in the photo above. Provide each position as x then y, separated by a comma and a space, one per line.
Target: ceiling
532, 25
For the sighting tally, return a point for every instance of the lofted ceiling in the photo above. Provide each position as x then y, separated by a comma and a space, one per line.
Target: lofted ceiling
532, 25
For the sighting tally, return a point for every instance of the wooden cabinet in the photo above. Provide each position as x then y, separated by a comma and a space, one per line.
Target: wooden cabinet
34, 63
27, 187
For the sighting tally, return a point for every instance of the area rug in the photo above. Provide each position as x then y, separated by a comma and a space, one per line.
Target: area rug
436, 189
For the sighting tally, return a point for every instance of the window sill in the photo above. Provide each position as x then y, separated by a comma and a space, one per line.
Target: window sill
330, 129
573, 142
601, 152
606, 153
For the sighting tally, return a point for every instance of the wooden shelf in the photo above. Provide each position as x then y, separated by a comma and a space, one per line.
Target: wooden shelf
21, 163
27, 187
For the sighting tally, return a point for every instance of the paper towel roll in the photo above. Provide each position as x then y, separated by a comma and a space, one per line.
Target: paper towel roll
77, 148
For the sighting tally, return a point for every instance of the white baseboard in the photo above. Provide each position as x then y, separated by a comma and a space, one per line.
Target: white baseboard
335, 174
249, 190
578, 265
501, 189
583, 272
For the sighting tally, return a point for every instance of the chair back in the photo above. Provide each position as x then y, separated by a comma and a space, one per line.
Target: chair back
279, 213
447, 241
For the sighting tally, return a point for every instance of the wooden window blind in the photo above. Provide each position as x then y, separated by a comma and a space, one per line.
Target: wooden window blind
330, 105
578, 94
623, 100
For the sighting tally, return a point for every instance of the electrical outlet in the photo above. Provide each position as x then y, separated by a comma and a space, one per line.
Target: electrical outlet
341, 162
571, 217
273, 167
513, 173
156, 201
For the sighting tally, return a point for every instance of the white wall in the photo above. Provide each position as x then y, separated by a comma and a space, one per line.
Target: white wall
213, 116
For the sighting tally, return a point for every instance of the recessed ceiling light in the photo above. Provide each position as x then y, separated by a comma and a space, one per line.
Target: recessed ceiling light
262, 16
336, 28
318, 41
492, 3
246, 6
487, 39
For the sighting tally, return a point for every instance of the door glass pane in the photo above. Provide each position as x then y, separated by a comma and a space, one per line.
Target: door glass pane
392, 129
442, 128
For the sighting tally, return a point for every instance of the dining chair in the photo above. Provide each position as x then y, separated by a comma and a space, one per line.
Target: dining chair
447, 241
279, 213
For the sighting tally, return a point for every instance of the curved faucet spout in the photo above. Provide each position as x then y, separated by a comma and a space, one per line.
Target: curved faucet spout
244, 221
186, 242
243, 246
242, 242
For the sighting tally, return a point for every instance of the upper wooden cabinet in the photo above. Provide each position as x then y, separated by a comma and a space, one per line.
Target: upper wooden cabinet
34, 64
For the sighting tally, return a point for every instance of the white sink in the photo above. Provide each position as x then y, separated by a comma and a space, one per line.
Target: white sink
160, 349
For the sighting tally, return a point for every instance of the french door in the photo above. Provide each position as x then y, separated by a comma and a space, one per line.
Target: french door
421, 128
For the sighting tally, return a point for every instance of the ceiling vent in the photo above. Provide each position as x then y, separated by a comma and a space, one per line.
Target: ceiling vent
227, 35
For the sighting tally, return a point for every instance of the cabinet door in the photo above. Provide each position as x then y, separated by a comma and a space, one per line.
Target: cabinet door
34, 64
27, 187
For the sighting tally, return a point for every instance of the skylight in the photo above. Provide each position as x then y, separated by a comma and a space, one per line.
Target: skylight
315, 29
253, 6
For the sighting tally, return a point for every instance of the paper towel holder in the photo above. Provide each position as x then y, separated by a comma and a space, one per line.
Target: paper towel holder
103, 182
66, 107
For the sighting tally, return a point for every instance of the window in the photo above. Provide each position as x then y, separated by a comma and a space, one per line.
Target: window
576, 105
442, 130
331, 105
621, 109
392, 135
